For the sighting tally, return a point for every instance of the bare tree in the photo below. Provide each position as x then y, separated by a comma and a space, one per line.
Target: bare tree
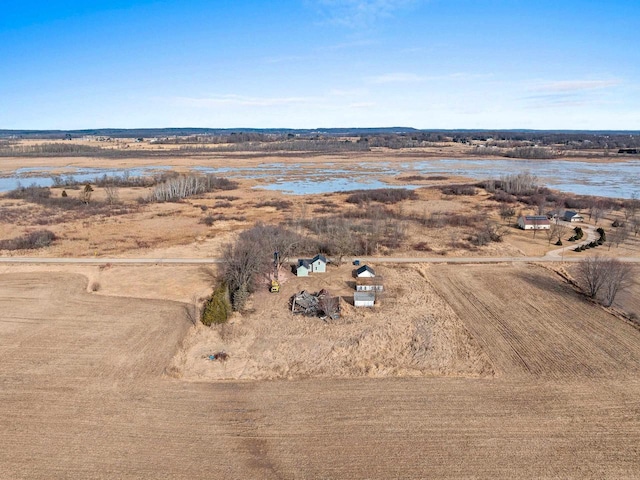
591, 275
244, 261
192, 309
635, 225
632, 206
556, 232
619, 277
603, 274
112, 193
597, 211
506, 213
618, 236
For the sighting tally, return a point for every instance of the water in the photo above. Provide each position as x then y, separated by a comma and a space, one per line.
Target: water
302, 187
618, 180
28, 176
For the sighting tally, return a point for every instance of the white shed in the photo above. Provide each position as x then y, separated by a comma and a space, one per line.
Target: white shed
364, 299
365, 271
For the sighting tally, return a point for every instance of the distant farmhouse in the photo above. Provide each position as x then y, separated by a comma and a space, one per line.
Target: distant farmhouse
534, 222
571, 216
317, 264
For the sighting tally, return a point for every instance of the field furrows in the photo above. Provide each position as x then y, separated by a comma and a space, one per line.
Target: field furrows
82, 395
530, 323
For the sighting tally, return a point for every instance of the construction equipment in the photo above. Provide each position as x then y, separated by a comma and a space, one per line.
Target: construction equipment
275, 284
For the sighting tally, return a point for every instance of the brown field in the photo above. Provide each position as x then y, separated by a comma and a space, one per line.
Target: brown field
461, 371
531, 324
268, 342
87, 392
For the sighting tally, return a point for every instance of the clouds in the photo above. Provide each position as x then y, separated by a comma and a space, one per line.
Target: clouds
570, 93
360, 13
573, 86
397, 77
408, 78
239, 101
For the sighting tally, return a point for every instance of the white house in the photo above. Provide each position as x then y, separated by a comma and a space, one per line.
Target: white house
365, 271
534, 222
364, 299
306, 266
571, 216
318, 264
303, 269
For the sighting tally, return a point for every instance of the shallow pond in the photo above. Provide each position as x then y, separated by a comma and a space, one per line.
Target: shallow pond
619, 179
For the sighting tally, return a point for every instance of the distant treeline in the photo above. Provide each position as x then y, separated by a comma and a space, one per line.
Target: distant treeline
516, 144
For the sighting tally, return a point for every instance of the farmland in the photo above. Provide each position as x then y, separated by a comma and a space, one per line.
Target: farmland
87, 392
463, 371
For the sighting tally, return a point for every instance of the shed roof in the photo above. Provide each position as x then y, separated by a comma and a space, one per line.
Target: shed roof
364, 297
365, 268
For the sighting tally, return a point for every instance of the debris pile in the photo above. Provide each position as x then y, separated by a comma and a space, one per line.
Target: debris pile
220, 356
320, 304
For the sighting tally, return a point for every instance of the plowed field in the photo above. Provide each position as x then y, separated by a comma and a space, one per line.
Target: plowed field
83, 395
530, 323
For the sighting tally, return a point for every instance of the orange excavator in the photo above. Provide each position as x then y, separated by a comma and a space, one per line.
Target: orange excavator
275, 284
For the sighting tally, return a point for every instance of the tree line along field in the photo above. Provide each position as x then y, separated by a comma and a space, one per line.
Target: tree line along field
84, 393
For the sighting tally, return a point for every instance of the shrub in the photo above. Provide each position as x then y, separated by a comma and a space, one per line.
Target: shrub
277, 204
617, 223
217, 308
531, 152
603, 236
382, 195
422, 247
458, 190
94, 287
31, 193
579, 233
417, 178
33, 240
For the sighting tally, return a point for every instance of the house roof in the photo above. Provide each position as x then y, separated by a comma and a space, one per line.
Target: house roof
320, 257
365, 268
364, 296
537, 219
571, 213
304, 263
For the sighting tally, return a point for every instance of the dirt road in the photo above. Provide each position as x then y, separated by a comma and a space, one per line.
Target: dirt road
553, 256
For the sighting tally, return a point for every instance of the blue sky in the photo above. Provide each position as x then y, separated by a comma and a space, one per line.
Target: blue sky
563, 64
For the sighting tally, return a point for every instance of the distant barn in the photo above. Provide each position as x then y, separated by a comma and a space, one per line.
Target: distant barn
534, 222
